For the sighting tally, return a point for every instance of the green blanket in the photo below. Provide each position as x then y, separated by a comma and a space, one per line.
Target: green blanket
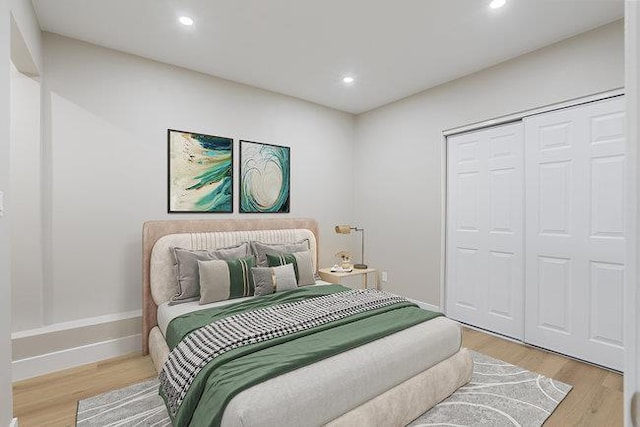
241, 368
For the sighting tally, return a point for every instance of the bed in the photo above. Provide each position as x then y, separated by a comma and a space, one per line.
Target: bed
386, 382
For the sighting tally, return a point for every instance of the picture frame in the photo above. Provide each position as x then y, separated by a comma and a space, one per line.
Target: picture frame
265, 178
199, 173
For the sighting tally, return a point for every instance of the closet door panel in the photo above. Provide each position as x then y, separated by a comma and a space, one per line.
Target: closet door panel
554, 185
554, 198
484, 276
502, 270
606, 293
606, 210
465, 229
554, 296
575, 237
605, 244
468, 295
505, 275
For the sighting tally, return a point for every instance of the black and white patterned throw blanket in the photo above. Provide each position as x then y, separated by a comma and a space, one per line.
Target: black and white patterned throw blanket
201, 346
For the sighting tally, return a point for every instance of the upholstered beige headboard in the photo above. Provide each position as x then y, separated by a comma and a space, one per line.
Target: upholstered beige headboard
152, 231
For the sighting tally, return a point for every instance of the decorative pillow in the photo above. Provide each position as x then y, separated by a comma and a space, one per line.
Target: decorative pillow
269, 280
186, 267
223, 280
302, 265
261, 250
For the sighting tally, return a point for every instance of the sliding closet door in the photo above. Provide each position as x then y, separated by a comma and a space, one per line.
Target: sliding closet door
575, 231
484, 268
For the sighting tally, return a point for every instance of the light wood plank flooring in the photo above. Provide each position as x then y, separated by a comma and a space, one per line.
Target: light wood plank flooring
596, 399
50, 400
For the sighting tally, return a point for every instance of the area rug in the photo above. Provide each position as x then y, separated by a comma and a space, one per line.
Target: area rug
499, 394
136, 405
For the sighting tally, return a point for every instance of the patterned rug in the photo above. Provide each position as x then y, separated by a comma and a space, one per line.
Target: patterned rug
499, 394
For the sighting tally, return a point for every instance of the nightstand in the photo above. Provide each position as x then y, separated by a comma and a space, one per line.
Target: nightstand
336, 277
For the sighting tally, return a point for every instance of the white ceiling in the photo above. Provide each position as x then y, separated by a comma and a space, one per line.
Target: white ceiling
303, 48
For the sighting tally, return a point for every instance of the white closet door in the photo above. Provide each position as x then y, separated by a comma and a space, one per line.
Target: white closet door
575, 231
484, 269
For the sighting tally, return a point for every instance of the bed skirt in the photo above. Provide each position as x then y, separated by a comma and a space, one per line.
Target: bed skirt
407, 401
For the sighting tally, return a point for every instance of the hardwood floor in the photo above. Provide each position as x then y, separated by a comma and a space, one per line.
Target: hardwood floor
50, 400
596, 398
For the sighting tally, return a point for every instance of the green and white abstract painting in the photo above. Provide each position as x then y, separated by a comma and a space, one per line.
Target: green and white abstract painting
264, 177
200, 172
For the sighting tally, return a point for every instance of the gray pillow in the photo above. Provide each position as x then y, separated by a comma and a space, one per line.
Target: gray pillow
268, 280
302, 265
261, 250
186, 268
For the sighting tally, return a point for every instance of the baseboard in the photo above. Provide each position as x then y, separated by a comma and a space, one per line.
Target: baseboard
425, 305
14, 423
76, 324
69, 358
78, 333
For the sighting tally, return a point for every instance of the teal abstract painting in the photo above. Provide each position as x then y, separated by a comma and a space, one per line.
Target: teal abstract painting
200, 172
264, 177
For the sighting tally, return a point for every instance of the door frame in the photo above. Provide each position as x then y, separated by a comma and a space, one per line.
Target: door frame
631, 286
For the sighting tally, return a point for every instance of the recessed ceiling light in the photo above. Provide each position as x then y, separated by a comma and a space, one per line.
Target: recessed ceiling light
496, 4
348, 79
185, 20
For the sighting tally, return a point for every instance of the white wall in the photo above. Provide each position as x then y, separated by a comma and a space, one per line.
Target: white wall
26, 38
105, 120
398, 147
26, 224
5, 277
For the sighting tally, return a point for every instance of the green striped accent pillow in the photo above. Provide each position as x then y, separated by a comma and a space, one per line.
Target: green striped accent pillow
222, 280
302, 265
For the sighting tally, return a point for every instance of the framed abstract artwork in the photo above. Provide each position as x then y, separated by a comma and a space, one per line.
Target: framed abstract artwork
264, 178
200, 172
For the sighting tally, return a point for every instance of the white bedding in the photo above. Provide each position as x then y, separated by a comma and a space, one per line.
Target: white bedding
331, 387
166, 312
321, 392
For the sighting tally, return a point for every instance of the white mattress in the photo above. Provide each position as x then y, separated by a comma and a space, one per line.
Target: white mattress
166, 312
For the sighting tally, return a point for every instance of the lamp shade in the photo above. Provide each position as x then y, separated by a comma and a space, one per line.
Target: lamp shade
343, 229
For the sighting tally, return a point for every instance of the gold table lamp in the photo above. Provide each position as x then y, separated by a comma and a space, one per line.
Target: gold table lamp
346, 229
